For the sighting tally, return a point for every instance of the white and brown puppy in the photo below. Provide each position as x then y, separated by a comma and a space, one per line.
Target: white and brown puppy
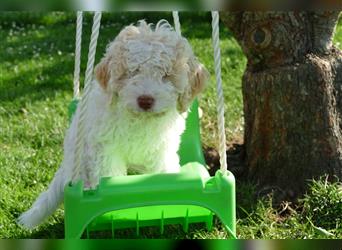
135, 114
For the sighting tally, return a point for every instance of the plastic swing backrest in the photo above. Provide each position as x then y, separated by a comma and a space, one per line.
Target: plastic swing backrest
190, 149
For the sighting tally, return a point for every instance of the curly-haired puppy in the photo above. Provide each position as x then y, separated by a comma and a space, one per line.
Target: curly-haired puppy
135, 114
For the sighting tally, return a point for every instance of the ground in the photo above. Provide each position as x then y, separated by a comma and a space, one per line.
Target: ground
36, 71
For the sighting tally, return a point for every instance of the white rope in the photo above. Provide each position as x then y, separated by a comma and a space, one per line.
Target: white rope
78, 54
87, 86
176, 22
220, 100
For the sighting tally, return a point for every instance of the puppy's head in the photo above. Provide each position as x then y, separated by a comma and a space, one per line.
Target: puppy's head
151, 70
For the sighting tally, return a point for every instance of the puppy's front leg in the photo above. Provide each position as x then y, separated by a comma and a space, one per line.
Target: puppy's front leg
166, 163
114, 165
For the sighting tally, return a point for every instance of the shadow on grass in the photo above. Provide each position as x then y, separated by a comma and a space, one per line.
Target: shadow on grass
171, 232
54, 18
58, 76
17, 86
55, 231
193, 24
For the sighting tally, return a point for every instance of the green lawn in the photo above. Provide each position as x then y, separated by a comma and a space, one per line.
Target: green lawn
36, 71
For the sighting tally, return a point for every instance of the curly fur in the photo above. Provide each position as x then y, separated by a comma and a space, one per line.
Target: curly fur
122, 138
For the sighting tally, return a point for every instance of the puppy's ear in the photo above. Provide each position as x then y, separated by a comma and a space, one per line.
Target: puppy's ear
198, 76
199, 80
102, 73
113, 61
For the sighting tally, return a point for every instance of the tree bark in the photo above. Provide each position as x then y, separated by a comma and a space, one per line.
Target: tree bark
292, 93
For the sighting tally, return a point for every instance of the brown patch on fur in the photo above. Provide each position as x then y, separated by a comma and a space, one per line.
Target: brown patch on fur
200, 80
198, 77
102, 73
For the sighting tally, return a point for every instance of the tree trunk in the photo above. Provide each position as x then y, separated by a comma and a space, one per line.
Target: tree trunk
292, 92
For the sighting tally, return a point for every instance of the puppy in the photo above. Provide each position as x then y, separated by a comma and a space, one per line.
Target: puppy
135, 113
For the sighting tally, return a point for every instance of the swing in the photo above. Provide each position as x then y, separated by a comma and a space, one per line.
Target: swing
190, 196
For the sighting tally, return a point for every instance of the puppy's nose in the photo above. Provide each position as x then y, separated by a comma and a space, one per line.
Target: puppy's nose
145, 102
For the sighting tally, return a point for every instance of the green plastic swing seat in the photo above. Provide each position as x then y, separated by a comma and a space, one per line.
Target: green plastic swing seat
190, 196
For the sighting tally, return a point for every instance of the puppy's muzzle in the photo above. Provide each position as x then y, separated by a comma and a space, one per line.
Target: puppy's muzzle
145, 102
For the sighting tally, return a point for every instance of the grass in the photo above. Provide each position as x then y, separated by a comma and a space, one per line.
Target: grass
36, 55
